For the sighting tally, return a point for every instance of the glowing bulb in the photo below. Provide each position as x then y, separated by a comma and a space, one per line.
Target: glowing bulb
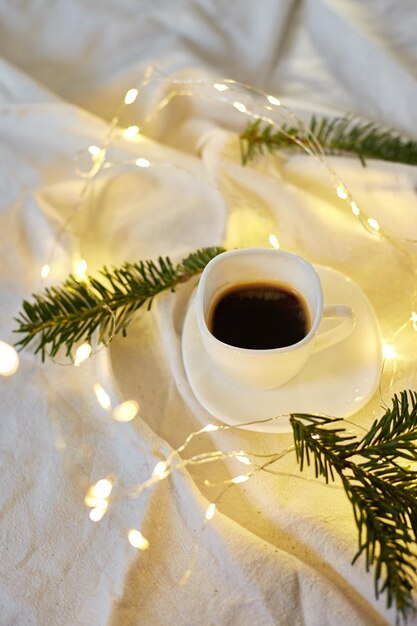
137, 540
131, 96
209, 428
94, 151
45, 270
373, 223
131, 132
9, 359
102, 489
355, 208
389, 351
126, 411
210, 511
81, 269
315, 436
96, 514
240, 479
273, 240
102, 396
95, 503
341, 192
274, 100
160, 470
220, 87
142, 162
82, 353
240, 106
243, 459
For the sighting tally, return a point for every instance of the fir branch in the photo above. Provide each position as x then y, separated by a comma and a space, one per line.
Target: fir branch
73, 312
380, 486
338, 136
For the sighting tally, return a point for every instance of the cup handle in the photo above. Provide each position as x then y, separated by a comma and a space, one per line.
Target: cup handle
347, 323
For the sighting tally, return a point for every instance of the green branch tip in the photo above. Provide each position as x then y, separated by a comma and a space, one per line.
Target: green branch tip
73, 312
381, 486
337, 136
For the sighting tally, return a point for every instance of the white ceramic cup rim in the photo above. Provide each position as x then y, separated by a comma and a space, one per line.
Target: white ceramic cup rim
202, 324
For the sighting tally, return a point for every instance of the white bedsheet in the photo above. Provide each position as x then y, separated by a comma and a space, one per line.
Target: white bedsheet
279, 549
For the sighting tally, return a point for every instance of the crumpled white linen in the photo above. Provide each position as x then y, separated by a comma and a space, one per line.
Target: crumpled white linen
279, 549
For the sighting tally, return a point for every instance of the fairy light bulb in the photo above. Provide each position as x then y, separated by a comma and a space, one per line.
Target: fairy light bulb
96, 514
355, 208
209, 428
273, 100
80, 269
131, 96
389, 352
210, 511
82, 353
131, 132
220, 87
9, 359
97, 498
102, 488
141, 162
45, 270
373, 223
94, 151
240, 106
137, 540
102, 396
273, 240
243, 459
240, 479
341, 192
160, 470
126, 411
96, 503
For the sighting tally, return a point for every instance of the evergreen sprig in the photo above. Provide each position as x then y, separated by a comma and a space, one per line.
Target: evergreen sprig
380, 485
337, 136
73, 312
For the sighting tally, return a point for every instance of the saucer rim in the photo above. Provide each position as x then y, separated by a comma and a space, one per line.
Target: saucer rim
270, 426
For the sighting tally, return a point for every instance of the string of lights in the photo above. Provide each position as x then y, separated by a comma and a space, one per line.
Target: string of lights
254, 104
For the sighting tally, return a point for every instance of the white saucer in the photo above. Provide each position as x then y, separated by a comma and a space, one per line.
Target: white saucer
337, 381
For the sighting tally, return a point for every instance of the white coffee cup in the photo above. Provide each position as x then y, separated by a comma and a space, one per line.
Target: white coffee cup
270, 368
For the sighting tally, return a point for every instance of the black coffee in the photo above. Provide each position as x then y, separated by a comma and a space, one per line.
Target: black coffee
259, 316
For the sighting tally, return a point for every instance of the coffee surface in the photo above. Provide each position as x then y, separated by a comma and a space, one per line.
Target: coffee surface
259, 316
